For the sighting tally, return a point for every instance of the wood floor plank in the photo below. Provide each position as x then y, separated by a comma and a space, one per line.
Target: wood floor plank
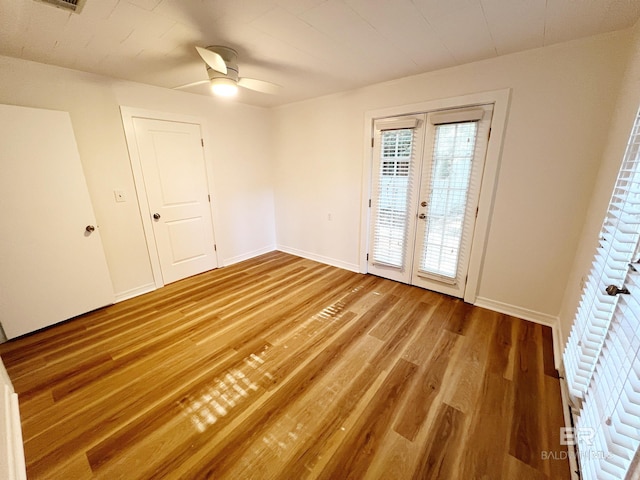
439, 458
528, 433
472, 357
483, 453
499, 358
280, 367
427, 387
395, 458
353, 458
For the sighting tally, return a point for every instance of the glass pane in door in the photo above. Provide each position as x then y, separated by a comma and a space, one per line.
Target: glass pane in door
451, 167
390, 222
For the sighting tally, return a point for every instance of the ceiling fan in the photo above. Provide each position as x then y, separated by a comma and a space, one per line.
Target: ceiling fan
222, 69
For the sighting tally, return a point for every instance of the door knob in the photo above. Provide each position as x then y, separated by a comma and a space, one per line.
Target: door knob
156, 216
422, 216
613, 290
89, 228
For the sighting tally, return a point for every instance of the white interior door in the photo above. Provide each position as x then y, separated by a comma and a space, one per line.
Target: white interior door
175, 180
427, 172
52, 267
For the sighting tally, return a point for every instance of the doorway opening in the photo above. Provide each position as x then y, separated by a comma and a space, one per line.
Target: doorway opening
172, 185
430, 182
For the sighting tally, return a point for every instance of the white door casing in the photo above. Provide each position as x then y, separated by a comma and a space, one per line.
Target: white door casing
51, 267
175, 178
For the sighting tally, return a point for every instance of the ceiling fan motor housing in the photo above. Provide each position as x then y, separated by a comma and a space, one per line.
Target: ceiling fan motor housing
230, 57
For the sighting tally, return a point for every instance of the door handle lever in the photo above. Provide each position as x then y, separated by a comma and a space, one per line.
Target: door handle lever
613, 290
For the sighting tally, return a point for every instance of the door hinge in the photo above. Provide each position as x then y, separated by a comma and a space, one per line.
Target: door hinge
489, 136
215, 247
367, 257
372, 142
209, 197
369, 203
202, 142
477, 208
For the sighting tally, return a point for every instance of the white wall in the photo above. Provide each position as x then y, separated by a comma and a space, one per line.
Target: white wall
618, 129
562, 100
241, 155
311, 155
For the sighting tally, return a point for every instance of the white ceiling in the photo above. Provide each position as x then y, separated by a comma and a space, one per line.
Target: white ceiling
310, 47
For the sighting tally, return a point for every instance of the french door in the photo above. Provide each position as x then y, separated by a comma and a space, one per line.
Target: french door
426, 177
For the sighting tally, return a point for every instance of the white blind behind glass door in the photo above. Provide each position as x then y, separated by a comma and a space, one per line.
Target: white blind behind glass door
397, 152
453, 153
455, 150
396, 159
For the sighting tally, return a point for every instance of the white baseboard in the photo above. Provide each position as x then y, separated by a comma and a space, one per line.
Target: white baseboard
353, 267
566, 411
12, 463
558, 337
246, 256
134, 292
141, 290
531, 315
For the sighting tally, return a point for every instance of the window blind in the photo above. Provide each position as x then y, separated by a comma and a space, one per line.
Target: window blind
452, 157
618, 239
393, 186
601, 359
451, 186
609, 422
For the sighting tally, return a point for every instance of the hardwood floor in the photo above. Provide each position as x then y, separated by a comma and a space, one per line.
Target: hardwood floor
283, 368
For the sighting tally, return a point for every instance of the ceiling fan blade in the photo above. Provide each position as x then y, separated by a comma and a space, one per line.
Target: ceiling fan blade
259, 85
192, 84
213, 59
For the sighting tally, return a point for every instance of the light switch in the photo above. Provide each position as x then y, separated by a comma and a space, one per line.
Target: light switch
120, 196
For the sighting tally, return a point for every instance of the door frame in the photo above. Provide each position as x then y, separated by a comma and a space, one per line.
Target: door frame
128, 114
500, 100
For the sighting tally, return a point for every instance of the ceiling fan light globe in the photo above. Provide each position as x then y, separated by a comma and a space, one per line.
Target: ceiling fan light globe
224, 87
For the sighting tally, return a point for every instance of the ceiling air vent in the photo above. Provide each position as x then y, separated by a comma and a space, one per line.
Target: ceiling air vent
70, 5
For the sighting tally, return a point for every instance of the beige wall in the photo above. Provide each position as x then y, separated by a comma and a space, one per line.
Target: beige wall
562, 100
618, 129
241, 153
